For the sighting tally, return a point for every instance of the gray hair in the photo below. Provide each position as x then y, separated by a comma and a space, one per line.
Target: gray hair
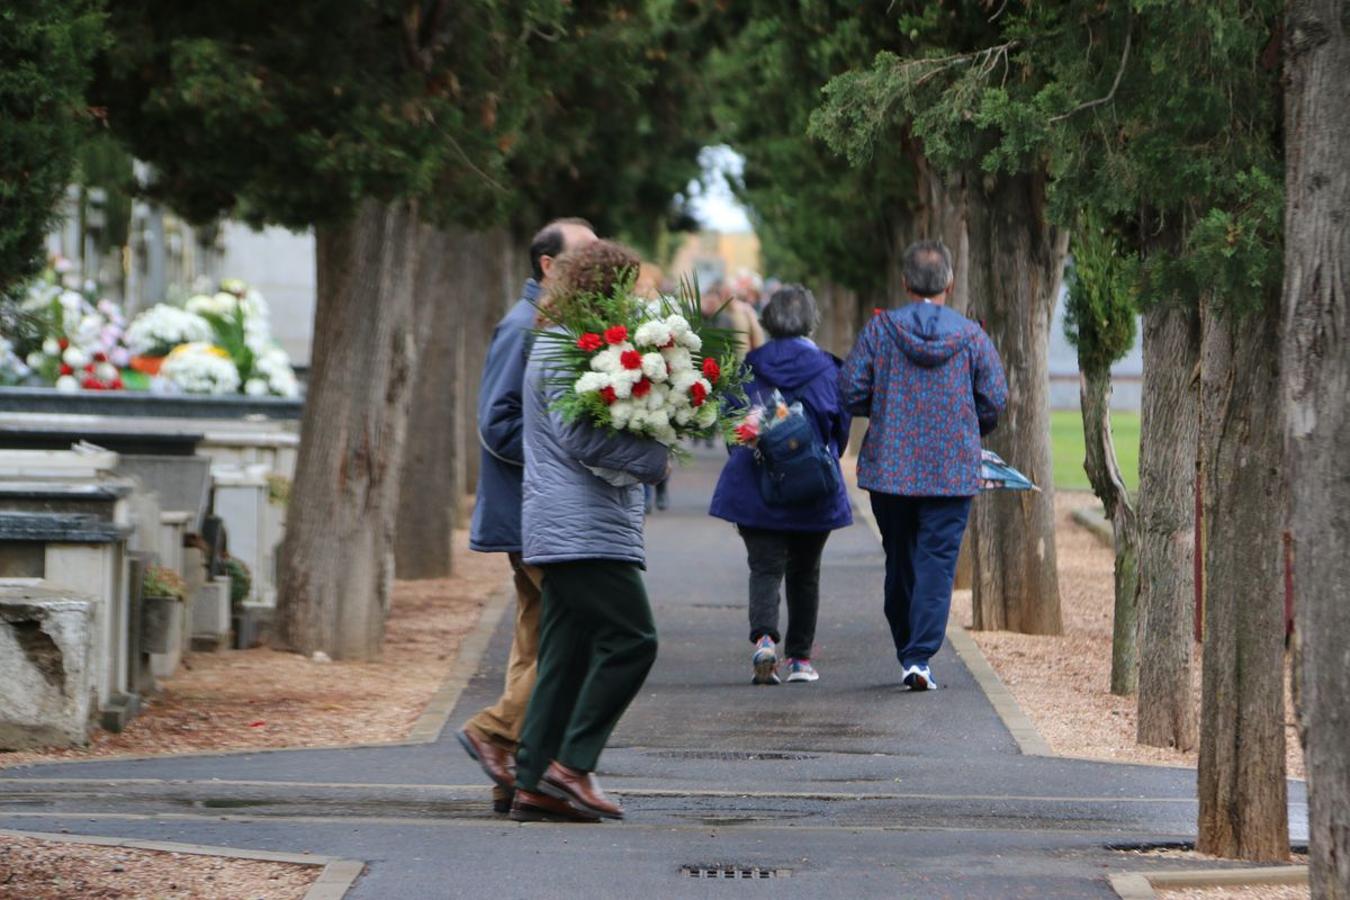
928, 268
791, 312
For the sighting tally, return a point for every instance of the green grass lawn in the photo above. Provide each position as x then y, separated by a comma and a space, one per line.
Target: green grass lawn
1066, 440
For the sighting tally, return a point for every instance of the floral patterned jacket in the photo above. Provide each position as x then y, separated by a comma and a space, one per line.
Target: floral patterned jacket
931, 383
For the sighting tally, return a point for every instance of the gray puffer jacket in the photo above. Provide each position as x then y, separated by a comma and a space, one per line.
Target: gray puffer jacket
570, 512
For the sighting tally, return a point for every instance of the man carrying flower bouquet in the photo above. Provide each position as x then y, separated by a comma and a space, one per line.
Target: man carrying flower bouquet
491, 736
931, 383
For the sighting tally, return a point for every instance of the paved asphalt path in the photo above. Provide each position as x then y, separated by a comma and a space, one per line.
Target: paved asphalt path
849, 787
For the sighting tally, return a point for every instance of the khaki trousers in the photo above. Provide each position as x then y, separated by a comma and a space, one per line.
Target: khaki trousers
501, 722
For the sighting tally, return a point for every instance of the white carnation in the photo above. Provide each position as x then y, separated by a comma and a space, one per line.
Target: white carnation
199, 368
67, 384
677, 359
684, 415
638, 420
652, 334
683, 380
666, 435
591, 381
606, 360
623, 388
51, 347
106, 371
75, 357
256, 387
658, 397
658, 419
654, 367
619, 413
691, 340
163, 327
678, 325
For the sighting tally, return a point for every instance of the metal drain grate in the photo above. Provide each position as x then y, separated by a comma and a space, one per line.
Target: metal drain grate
729, 755
733, 872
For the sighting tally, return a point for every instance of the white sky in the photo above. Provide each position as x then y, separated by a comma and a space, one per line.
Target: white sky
711, 198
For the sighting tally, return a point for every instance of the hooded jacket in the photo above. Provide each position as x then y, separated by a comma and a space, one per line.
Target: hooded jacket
496, 514
801, 371
570, 512
931, 383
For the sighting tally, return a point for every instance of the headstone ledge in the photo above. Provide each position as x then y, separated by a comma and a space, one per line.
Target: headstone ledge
141, 403
60, 528
46, 669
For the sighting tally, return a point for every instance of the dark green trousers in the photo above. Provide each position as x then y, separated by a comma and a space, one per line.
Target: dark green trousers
597, 641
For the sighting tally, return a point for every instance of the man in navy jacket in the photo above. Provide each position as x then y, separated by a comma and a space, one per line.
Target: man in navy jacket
930, 383
490, 737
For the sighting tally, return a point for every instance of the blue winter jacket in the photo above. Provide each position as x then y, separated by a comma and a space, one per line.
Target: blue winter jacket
931, 383
496, 515
583, 485
801, 371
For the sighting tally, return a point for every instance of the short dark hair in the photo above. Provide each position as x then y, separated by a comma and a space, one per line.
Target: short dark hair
790, 312
548, 241
928, 268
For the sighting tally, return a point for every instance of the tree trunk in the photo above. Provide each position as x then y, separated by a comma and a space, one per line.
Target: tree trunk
432, 486
338, 551
1243, 810
1170, 428
1316, 390
1016, 267
1104, 473
487, 289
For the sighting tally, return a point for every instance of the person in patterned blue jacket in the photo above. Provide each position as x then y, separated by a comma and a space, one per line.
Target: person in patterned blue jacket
931, 383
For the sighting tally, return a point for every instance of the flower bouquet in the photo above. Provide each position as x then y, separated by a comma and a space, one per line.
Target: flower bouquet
647, 367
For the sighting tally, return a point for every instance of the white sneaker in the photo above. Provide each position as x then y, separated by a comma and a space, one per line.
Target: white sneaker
801, 670
919, 678
765, 662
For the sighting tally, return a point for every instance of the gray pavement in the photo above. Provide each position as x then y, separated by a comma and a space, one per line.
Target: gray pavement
850, 787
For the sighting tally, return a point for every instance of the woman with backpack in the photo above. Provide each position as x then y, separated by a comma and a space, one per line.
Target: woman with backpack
787, 494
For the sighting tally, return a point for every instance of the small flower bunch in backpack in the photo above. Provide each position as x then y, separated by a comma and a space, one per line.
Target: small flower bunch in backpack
796, 466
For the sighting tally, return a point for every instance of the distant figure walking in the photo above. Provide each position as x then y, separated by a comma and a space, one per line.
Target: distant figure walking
931, 383
784, 543
723, 309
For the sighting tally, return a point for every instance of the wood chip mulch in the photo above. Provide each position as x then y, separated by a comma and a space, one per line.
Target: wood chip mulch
263, 698
33, 869
1063, 682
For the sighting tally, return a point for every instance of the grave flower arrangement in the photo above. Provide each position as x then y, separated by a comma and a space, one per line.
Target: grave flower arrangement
648, 367
63, 334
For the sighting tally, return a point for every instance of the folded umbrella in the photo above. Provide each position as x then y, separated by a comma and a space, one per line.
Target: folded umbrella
995, 474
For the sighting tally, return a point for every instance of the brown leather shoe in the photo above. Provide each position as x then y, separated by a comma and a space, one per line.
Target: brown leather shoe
501, 799
531, 807
496, 761
580, 789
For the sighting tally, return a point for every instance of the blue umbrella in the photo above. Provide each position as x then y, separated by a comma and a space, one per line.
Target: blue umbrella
995, 474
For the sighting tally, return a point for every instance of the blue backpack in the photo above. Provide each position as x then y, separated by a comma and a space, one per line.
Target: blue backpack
796, 468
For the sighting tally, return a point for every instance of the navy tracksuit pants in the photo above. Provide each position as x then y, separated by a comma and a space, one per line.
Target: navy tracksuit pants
922, 538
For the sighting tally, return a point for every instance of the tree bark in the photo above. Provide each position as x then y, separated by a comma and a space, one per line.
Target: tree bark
1170, 429
432, 487
1016, 267
1104, 473
1316, 391
338, 551
488, 288
1243, 810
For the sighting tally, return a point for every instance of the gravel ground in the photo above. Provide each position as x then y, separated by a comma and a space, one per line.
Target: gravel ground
1254, 892
1063, 682
33, 869
262, 698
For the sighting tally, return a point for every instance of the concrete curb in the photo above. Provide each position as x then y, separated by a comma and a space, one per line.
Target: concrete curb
1092, 519
425, 730
1019, 725
1142, 885
333, 883
429, 725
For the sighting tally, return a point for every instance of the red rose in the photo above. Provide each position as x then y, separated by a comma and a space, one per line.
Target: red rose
642, 388
616, 334
117, 384
747, 433
607, 394
697, 394
100, 357
711, 370
63, 343
630, 359
66, 370
89, 368
90, 384
590, 342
